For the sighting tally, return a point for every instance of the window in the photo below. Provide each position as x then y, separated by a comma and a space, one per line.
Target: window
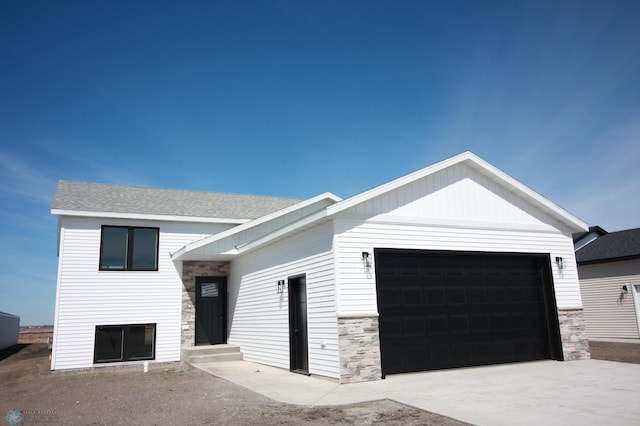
128, 249
116, 343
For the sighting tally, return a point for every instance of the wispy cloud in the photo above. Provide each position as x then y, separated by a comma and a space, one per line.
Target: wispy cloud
23, 179
82, 167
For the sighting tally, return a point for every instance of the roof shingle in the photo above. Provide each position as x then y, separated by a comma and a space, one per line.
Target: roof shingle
611, 246
95, 197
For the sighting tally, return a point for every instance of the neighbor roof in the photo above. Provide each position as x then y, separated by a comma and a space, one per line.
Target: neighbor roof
612, 246
85, 198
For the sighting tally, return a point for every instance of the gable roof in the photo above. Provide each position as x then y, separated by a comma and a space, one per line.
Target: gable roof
94, 199
327, 213
470, 159
612, 246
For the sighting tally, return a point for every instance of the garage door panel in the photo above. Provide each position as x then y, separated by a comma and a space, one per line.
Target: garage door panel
435, 296
437, 325
444, 309
412, 295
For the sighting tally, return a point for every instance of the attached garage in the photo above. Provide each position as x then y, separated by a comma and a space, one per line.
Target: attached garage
446, 309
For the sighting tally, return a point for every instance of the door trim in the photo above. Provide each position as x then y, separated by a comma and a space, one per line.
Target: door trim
294, 356
222, 281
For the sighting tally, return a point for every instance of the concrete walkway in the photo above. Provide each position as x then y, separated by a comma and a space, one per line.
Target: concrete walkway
590, 392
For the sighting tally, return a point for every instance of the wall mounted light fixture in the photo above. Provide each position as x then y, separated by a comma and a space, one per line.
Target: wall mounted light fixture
560, 262
282, 284
366, 258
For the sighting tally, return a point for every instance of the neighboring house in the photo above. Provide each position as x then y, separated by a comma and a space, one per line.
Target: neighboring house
9, 330
454, 265
609, 270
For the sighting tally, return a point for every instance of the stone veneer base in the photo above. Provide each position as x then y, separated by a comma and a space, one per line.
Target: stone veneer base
575, 344
359, 343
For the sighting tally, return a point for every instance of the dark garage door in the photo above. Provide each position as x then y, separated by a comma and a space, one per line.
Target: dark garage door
456, 309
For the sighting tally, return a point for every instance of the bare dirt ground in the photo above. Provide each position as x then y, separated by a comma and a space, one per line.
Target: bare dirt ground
622, 352
40, 334
173, 395
166, 395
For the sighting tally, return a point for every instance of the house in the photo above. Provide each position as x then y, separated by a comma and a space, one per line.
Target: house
609, 272
456, 264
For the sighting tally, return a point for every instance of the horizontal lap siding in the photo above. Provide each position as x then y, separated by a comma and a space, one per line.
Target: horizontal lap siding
606, 315
356, 286
88, 297
458, 209
259, 315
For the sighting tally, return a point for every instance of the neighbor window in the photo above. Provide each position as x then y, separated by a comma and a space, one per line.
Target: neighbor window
125, 248
116, 343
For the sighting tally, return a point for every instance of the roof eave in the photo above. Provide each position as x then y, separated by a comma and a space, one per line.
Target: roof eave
143, 216
178, 255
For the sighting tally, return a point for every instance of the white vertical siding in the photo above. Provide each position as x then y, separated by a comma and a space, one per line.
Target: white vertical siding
606, 314
357, 288
87, 297
259, 316
456, 193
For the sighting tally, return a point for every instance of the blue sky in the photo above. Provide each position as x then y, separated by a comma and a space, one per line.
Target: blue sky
295, 98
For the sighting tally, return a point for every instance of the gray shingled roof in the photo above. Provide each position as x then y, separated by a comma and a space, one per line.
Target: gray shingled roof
612, 246
95, 197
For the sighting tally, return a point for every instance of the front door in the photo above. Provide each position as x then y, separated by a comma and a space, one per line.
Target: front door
211, 310
299, 352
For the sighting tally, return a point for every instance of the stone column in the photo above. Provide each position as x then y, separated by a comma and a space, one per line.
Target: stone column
359, 343
191, 270
575, 344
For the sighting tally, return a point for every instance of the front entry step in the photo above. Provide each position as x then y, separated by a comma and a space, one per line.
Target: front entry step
212, 353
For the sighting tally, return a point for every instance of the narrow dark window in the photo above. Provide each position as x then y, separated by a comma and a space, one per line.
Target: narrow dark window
129, 249
116, 343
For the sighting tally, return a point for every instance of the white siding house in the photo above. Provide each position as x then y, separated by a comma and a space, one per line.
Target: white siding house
349, 289
609, 269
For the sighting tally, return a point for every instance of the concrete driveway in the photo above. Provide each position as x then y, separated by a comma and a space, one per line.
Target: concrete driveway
589, 392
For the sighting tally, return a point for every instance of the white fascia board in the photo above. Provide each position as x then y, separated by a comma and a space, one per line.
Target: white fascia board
142, 216
570, 220
483, 167
302, 223
229, 232
397, 183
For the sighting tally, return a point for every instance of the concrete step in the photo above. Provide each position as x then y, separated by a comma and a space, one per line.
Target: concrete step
205, 359
212, 353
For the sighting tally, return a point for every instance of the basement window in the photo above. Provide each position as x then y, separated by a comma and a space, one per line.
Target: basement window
130, 248
117, 343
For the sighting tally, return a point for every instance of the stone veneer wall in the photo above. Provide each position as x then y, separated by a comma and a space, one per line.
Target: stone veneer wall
191, 270
575, 344
359, 343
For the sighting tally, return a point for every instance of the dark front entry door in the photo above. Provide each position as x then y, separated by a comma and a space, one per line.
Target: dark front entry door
298, 340
211, 310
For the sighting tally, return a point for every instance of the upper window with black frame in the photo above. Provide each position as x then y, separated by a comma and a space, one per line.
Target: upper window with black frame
129, 248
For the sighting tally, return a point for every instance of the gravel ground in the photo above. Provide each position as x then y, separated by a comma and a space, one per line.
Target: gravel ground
167, 396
